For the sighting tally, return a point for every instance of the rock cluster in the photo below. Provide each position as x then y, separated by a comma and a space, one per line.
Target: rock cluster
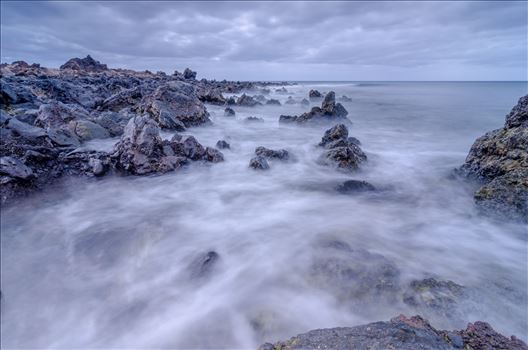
329, 111
400, 333
499, 162
46, 116
263, 154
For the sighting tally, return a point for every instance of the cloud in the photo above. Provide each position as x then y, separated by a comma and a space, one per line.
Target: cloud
407, 39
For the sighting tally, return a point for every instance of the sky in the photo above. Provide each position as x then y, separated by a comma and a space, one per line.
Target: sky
278, 40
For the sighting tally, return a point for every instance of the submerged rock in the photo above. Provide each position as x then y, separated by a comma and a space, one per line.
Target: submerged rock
253, 120
499, 161
273, 102
222, 144
400, 333
436, 295
259, 163
229, 112
203, 265
281, 154
355, 186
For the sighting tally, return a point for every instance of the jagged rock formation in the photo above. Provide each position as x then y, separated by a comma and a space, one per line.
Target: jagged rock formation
499, 161
87, 64
329, 111
339, 150
400, 333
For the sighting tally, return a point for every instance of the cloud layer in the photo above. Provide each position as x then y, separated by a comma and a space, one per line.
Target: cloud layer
407, 40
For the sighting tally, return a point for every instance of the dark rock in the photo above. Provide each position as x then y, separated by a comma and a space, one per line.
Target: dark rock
211, 95
123, 99
329, 111
400, 333
13, 167
213, 155
192, 148
354, 141
286, 119
204, 265
229, 112
355, 186
273, 102
281, 91
140, 150
480, 335
253, 119
338, 132
222, 144
176, 106
314, 95
248, 101
259, 163
499, 160
87, 64
25, 130
113, 122
189, 74
340, 152
281, 154
231, 101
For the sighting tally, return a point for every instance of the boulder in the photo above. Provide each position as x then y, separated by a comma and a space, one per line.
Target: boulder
355, 186
211, 95
229, 112
253, 120
123, 99
247, 101
315, 95
14, 168
113, 122
222, 144
273, 102
86, 130
140, 150
87, 64
280, 154
259, 163
498, 161
175, 106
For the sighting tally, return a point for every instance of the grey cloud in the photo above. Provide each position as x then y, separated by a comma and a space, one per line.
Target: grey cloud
482, 36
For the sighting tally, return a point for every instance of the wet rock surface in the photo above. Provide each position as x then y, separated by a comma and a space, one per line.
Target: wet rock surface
499, 162
355, 186
48, 114
259, 163
339, 151
400, 333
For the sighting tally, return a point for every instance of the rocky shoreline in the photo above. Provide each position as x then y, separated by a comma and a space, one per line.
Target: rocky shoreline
47, 116
400, 333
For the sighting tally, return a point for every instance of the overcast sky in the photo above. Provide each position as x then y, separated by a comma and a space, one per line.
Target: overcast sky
442, 40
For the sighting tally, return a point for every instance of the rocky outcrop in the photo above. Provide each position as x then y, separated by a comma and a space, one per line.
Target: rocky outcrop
142, 151
355, 186
247, 101
400, 333
222, 144
259, 163
339, 151
499, 162
87, 64
175, 106
229, 112
329, 111
280, 154
314, 95
273, 102
189, 74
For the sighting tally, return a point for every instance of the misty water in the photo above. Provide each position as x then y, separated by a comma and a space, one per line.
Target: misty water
111, 262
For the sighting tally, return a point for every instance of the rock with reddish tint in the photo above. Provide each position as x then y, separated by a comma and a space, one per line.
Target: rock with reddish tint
400, 333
